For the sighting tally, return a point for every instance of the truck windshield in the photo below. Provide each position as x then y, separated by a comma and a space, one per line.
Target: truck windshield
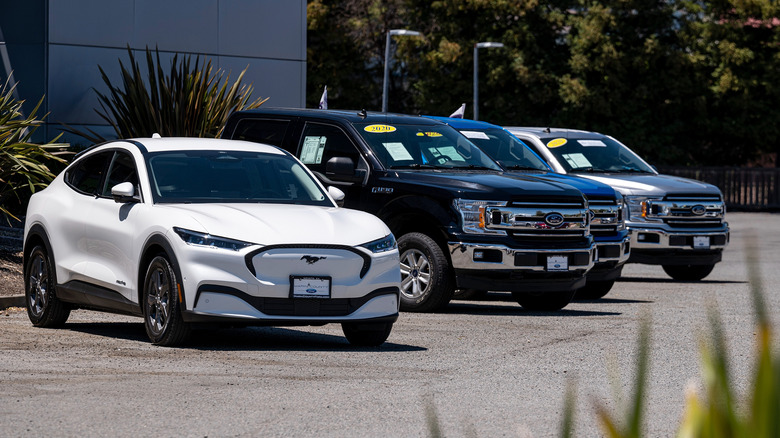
505, 148
423, 147
595, 155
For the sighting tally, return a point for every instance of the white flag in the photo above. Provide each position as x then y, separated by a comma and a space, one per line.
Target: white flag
324, 99
459, 113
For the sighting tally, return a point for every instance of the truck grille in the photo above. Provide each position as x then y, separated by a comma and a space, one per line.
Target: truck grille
550, 222
606, 216
689, 211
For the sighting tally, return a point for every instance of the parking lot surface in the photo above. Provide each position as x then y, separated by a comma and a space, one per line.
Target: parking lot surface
483, 368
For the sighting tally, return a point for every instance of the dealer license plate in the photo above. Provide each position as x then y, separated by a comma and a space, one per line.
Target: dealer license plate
310, 287
701, 242
557, 263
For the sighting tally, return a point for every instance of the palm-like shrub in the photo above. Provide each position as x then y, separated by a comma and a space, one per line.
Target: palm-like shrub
190, 99
24, 166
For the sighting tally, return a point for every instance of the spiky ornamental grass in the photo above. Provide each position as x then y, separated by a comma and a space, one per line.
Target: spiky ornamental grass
190, 99
24, 166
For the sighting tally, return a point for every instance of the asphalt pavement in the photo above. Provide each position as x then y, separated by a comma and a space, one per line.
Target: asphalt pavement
480, 368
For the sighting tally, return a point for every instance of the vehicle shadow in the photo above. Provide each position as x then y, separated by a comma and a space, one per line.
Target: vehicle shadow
671, 280
611, 301
480, 308
241, 339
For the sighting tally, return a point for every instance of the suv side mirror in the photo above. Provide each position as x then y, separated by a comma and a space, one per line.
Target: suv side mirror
124, 193
343, 169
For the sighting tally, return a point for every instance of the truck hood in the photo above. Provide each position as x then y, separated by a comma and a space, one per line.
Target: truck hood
271, 224
653, 185
480, 185
589, 187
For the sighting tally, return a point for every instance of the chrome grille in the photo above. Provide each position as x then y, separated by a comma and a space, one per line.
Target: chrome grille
540, 219
606, 216
689, 211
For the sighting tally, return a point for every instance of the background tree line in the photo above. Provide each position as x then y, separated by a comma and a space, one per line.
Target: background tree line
681, 82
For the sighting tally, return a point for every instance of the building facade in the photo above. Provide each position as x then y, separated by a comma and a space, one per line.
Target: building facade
53, 48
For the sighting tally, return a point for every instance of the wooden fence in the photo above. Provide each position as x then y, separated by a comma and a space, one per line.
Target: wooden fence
747, 189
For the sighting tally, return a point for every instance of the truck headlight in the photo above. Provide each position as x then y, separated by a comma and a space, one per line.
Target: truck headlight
622, 212
207, 240
639, 207
386, 243
473, 214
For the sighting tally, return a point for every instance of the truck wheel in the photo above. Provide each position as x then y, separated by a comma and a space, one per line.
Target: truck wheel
366, 335
688, 272
593, 290
43, 307
548, 301
426, 278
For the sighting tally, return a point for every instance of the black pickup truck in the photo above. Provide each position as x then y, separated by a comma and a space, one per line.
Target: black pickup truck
460, 222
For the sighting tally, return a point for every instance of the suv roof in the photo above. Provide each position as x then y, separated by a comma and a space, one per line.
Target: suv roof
352, 116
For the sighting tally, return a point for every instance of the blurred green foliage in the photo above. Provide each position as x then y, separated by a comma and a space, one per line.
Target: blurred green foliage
683, 82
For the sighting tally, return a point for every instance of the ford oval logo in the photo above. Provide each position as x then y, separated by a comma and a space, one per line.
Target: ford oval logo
698, 210
553, 219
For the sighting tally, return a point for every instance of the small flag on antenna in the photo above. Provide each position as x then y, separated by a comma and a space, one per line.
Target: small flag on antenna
458, 114
324, 99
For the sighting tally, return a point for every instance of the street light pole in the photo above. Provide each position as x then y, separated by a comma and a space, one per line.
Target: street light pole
482, 45
387, 61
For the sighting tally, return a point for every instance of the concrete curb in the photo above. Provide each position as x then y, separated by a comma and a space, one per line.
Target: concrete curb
12, 301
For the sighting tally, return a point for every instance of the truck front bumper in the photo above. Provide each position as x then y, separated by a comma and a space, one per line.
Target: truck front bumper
501, 268
611, 256
658, 246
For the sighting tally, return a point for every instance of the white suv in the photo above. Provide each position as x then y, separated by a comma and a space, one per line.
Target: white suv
185, 230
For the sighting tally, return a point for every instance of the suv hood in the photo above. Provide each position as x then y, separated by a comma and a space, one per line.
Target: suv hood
270, 224
480, 185
653, 185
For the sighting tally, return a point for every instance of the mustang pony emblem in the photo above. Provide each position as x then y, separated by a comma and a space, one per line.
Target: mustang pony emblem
312, 259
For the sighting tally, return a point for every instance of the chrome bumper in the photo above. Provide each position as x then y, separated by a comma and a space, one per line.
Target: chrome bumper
504, 258
606, 250
657, 238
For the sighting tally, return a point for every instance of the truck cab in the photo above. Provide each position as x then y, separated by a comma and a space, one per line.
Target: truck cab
460, 221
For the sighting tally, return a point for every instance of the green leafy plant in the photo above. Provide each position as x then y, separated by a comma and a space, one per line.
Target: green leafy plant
24, 166
190, 99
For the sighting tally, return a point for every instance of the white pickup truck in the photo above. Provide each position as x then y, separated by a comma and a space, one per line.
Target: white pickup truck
677, 223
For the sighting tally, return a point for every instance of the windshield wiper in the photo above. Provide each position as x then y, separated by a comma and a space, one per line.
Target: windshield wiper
588, 170
417, 166
474, 166
630, 170
519, 167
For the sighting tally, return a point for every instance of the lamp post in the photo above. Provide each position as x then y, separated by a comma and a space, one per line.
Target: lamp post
387, 60
482, 45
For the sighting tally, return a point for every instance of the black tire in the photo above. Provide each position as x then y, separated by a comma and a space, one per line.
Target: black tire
593, 290
470, 294
43, 307
427, 281
688, 272
548, 301
162, 310
366, 334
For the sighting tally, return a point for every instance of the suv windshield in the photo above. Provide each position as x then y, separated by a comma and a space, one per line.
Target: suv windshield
595, 155
505, 148
231, 176
423, 147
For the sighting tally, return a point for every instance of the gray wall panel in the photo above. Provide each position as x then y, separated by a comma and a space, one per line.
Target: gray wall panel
263, 28
282, 81
177, 25
73, 71
91, 22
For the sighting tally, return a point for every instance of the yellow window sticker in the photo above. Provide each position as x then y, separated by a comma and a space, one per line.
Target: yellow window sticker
558, 142
377, 129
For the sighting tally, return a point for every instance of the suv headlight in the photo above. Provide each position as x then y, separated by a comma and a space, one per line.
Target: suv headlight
207, 240
472, 213
386, 243
638, 207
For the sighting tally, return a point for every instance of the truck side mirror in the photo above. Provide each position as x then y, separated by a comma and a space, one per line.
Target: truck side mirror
342, 169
